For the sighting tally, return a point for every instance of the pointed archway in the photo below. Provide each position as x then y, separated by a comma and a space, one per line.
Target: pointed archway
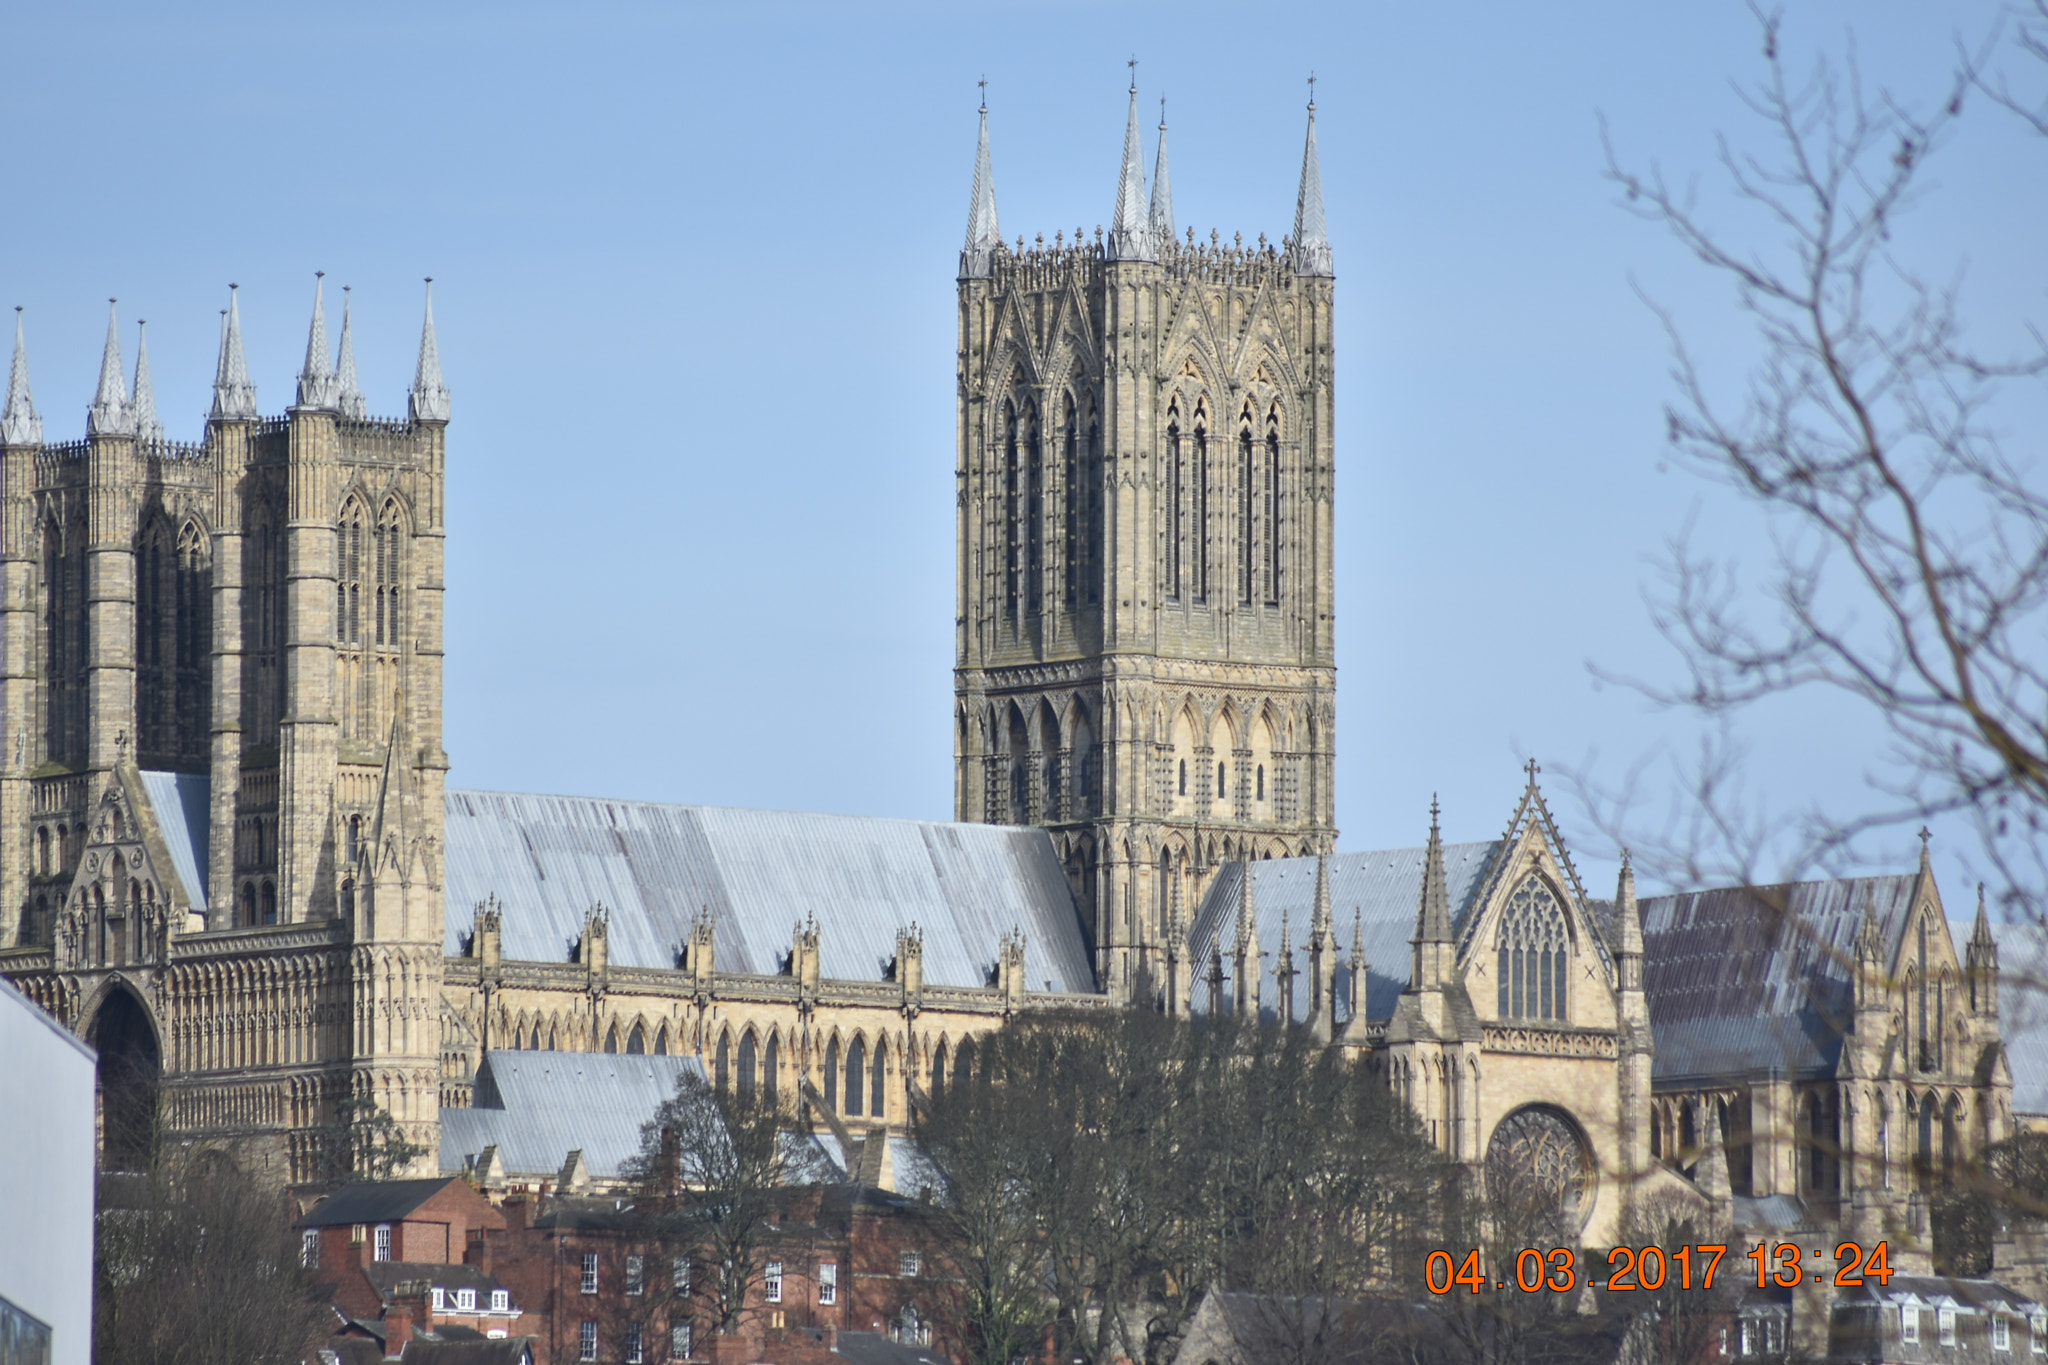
130, 1078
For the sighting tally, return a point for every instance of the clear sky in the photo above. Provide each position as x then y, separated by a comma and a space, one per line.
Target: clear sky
694, 281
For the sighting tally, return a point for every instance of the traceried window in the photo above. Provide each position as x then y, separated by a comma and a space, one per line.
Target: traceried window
1034, 512
390, 555
1531, 954
348, 575
1013, 512
1537, 1163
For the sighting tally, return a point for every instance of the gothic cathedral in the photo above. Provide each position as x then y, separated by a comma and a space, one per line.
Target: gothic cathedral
1146, 466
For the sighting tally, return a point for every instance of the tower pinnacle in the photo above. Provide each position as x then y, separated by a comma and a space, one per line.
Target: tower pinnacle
429, 397
109, 415
234, 397
983, 234
317, 386
19, 425
143, 418
1162, 188
1311, 233
1130, 236
349, 394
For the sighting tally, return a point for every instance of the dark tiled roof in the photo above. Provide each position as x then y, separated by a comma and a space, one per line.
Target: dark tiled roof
378, 1201
872, 1348
386, 1276
488, 1351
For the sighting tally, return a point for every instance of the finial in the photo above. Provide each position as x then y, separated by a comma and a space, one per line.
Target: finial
1133, 65
1432, 810
1626, 862
142, 410
349, 392
1311, 92
234, 397
19, 424
317, 387
1532, 767
983, 83
428, 401
1926, 835
109, 413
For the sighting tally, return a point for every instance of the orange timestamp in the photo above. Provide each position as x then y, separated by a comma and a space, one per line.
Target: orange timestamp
1652, 1268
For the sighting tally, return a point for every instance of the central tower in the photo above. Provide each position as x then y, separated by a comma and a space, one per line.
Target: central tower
1145, 469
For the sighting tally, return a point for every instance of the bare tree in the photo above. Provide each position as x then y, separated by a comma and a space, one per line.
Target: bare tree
361, 1142
1910, 537
196, 1263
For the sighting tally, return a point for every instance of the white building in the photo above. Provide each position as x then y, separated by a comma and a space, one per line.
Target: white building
46, 1145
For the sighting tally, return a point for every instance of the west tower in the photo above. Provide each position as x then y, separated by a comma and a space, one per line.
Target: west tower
1145, 469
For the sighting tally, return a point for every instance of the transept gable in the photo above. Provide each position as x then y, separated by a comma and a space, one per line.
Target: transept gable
1532, 846
126, 898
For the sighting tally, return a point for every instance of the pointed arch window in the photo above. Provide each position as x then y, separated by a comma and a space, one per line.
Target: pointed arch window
878, 1081
856, 1076
1247, 489
832, 1074
636, 1042
1531, 952
389, 566
963, 1064
1034, 512
723, 1074
193, 651
939, 1073
348, 575
1176, 480
749, 1057
1072, 490
1199, 513
1271, 529
155, 638
770, 1069
1013, 513
1092, 532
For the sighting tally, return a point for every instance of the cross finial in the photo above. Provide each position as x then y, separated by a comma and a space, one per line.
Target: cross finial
1926, 834
1532, 767
1133, 65
983, 83
1432, 810
1311, 89
1162, 124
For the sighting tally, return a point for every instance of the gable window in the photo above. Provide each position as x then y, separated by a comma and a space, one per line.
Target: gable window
465, 1300
381, 1247
440, 1299
1909, 1324
2037, 1331
2001, 1332
1531, 953
1945, 1324
501, 1300
828, 1282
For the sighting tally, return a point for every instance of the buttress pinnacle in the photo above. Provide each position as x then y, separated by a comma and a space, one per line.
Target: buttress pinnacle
1130, 235
19, 424
109, 415
317, 385
234, 397
143, 418
429, 397
349, 392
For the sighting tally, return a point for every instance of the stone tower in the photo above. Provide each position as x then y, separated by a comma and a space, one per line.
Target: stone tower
1145, 658
220, 805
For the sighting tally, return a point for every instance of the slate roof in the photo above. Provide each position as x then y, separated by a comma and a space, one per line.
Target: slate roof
2022, 1009
180, 801
1759, 979
548, 859
381, 1201
488, 1351
537, 1107
386, 1276
1379, 892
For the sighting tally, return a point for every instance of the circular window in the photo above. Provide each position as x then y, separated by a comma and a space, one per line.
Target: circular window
1538, 1170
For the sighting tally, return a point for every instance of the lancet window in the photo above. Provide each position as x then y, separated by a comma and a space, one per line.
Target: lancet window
1176, 480
192, 654
1247, 529
1532, 951
1199, 513
389, 565
1272, 520
1073, 492
747, 1063
348, 576
856, 1075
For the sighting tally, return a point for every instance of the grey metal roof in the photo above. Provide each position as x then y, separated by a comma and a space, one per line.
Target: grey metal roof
1379, 892
379, 1201
2022, 1009
1748, 979
537, 1107
183, 812
1768, 1211
548, 859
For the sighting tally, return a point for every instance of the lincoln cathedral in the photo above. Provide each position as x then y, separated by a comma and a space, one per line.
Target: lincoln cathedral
230, 860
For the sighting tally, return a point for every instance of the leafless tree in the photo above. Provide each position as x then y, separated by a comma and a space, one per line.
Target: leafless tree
1908, 519
196, 1263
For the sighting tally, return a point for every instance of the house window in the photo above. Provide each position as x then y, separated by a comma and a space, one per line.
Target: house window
309, 1248
590, 1272
355, 1235
2001, 1332
682, 1276
1945, 1323
501, 1300
910, 1263
586, 1342
465, 1300
828, 1282
1748, 1337
1909, 1324
440, 1299
773, 1282
636, 1351
679, 1341
635, 1274
382, 1249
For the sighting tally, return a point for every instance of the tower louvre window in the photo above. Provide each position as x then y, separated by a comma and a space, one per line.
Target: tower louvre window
1175, 479
1071, 493
1200, 517
1272, 526
388, 564
1034, 512
1012, 512
1247, 485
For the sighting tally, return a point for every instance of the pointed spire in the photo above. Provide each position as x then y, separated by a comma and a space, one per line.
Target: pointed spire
1162, 187
19, 425
148, 427
1433, 920
234, 397
349, 394
429, 397
1311, 234
317, 385
1983, 949
1319, 921
1283, 969
1130, 236
1247, 967
984, 236
1627, 914
108, 415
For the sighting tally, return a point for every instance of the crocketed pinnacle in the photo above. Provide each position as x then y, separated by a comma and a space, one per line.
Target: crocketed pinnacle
1162, 189
1319, 922
1433, 920
983, 233
429, 398
1983, 950
109, 415
1311, 233
1627, 914
19, 424
350, 393
234, 397
317, 385
1130, 237
147, 426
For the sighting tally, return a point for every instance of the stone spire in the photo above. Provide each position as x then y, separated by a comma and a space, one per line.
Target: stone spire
109, 414
1283, 969
234, 397
429, 398
1247, 965
983, 233
148, 427
1322, 957
1162, 188
1432, 941
349, 394
1130, 236
1982, 957
1311, 234
19, 425
318, 387
1628, 917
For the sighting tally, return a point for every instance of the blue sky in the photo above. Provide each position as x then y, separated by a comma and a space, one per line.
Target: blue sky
694, 279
